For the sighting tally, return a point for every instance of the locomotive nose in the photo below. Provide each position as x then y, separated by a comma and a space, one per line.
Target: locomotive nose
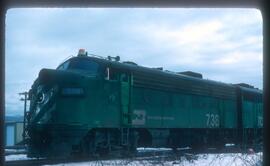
42, 102
51, 76
47, 76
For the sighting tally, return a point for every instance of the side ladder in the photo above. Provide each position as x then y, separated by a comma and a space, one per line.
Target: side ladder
125, 136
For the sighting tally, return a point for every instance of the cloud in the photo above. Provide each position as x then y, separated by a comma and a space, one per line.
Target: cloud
238, 57
194, 33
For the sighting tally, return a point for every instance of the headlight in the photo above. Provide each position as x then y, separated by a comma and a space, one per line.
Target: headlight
44, 96
72, 91
41, 98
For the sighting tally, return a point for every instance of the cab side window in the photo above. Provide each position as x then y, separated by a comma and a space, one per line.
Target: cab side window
111, 74
116, 75
64, 66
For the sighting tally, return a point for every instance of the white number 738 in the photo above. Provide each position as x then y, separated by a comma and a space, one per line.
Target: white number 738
212, 120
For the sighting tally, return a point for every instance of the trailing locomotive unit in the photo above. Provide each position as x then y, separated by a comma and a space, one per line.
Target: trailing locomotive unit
95, 105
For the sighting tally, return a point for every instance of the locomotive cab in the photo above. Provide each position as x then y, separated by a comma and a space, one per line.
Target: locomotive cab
80, 64
64, 101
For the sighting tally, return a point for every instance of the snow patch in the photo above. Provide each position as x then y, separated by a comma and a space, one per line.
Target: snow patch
17, 157
227, 159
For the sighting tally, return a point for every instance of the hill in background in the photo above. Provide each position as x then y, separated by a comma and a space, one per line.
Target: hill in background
16, 118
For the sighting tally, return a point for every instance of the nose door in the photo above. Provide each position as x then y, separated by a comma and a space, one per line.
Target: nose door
125, 99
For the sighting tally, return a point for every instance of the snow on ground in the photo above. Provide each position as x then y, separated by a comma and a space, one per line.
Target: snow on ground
17, 157
15, 154
153, 149
15, 150
224, 159
228, 159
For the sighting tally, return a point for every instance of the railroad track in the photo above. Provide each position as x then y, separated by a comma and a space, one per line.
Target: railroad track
141, 155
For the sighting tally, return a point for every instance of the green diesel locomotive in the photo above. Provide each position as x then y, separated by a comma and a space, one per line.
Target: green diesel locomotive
91, 105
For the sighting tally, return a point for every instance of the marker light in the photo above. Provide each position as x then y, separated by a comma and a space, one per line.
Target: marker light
82, 52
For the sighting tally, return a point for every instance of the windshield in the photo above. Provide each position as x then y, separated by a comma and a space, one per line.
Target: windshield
82, 64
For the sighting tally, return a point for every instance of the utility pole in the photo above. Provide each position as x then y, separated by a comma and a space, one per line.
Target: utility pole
24, 98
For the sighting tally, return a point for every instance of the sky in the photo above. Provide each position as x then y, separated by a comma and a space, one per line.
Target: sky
222, 44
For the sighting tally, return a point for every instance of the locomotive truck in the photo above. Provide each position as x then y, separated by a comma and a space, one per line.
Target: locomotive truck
91, 105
